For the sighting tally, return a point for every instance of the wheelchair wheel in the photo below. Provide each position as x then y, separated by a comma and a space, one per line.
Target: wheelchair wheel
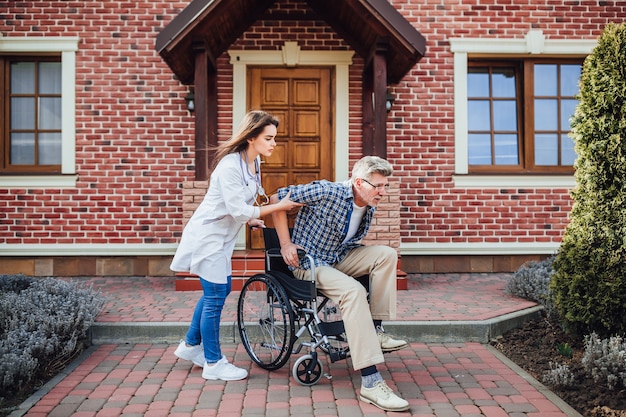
307, 370
266, 323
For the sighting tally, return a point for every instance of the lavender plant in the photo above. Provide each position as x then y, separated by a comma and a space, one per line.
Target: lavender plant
559, 375
605, 360
42, 321
532, 282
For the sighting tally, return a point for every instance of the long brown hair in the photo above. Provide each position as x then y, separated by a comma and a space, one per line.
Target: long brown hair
250, 127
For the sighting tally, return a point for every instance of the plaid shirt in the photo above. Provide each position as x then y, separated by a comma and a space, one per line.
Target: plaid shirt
322, 224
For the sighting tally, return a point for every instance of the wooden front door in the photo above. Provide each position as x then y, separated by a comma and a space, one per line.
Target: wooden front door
301, 99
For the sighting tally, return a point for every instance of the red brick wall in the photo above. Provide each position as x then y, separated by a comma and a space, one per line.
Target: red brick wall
133, 132
422, 123
135, 137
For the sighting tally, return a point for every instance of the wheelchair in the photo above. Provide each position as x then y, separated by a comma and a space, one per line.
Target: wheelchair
279, 315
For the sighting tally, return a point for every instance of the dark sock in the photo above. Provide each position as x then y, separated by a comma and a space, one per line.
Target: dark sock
369, 370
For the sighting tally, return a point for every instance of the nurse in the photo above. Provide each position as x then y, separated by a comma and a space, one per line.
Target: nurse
235, 197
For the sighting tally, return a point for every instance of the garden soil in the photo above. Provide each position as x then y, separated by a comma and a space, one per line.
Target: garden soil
536, 344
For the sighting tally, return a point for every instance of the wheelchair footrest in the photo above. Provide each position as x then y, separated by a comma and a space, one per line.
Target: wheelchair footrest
337, 355
332, 328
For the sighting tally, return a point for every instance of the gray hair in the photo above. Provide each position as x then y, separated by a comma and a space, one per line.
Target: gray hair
368, 165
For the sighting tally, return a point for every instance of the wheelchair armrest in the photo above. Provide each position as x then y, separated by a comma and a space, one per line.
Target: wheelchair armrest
274, 252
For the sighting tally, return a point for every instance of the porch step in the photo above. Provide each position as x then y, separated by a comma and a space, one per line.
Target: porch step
247, 263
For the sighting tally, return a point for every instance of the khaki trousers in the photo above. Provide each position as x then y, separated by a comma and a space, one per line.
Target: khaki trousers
338, 284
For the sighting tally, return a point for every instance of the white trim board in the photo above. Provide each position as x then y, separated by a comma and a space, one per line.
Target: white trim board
531, 248
105, 249
139, 249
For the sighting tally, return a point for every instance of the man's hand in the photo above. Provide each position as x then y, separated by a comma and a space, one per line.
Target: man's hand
290, 253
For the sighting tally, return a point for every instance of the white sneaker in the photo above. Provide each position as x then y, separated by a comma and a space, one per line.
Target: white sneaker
383, 397
190, 353
223, 370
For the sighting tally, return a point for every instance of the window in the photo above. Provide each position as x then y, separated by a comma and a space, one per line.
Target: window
37, 107
518, 115
32, 115
498, 53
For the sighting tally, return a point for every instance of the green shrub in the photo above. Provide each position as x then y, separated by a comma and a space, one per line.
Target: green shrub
42, 322
589, 283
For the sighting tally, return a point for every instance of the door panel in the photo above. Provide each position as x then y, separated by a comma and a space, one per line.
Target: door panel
301, 99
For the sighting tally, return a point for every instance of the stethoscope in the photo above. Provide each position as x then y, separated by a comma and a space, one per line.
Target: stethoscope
260, 191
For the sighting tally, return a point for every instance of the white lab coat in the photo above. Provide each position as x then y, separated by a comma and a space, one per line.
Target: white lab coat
208, 240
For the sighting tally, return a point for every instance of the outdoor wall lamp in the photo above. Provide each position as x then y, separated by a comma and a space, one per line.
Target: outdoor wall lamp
191, 106
389, 101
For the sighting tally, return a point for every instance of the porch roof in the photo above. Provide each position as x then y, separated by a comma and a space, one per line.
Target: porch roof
216, 24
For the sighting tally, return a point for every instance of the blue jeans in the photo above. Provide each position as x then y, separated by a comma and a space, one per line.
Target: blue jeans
205, 323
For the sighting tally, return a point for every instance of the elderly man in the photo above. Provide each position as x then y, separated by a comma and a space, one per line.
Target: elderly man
329, 227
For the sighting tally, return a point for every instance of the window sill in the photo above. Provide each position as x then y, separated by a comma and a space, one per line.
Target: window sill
507, 181
38, 181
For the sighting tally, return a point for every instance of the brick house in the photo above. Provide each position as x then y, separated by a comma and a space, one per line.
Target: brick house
103, 159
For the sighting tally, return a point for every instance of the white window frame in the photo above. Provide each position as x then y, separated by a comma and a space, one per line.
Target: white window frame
534, 43
66, 47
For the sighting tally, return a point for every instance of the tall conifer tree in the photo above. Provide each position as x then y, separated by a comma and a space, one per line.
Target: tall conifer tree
589, 283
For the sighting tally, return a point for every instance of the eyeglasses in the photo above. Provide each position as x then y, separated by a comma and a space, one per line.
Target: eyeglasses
379, 187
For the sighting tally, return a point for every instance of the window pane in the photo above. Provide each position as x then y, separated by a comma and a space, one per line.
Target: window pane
503, 82
505, 115
22, 148
479, 149
478, 116
570, 74
545, 80
568, 107
546, 149
506, 149
478, 82
50, 113
22, 113
23, 78
50, 78
568, 155
546, 115
50, 148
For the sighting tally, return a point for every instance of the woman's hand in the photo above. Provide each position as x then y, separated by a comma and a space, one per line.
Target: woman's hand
286, 203
256, 223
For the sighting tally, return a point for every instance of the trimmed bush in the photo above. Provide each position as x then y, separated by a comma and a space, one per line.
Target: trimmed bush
589, 283
43, 325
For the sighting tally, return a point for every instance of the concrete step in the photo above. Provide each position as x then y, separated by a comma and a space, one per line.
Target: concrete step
414, 331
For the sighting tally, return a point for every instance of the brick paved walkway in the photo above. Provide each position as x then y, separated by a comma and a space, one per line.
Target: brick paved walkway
438, 379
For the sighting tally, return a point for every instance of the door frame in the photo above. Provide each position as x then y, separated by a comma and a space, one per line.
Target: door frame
291, 55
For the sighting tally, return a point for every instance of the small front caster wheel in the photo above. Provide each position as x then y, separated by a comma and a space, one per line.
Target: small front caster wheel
307, 370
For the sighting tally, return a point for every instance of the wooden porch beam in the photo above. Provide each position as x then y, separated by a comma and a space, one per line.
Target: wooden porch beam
374, 98
205, 113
